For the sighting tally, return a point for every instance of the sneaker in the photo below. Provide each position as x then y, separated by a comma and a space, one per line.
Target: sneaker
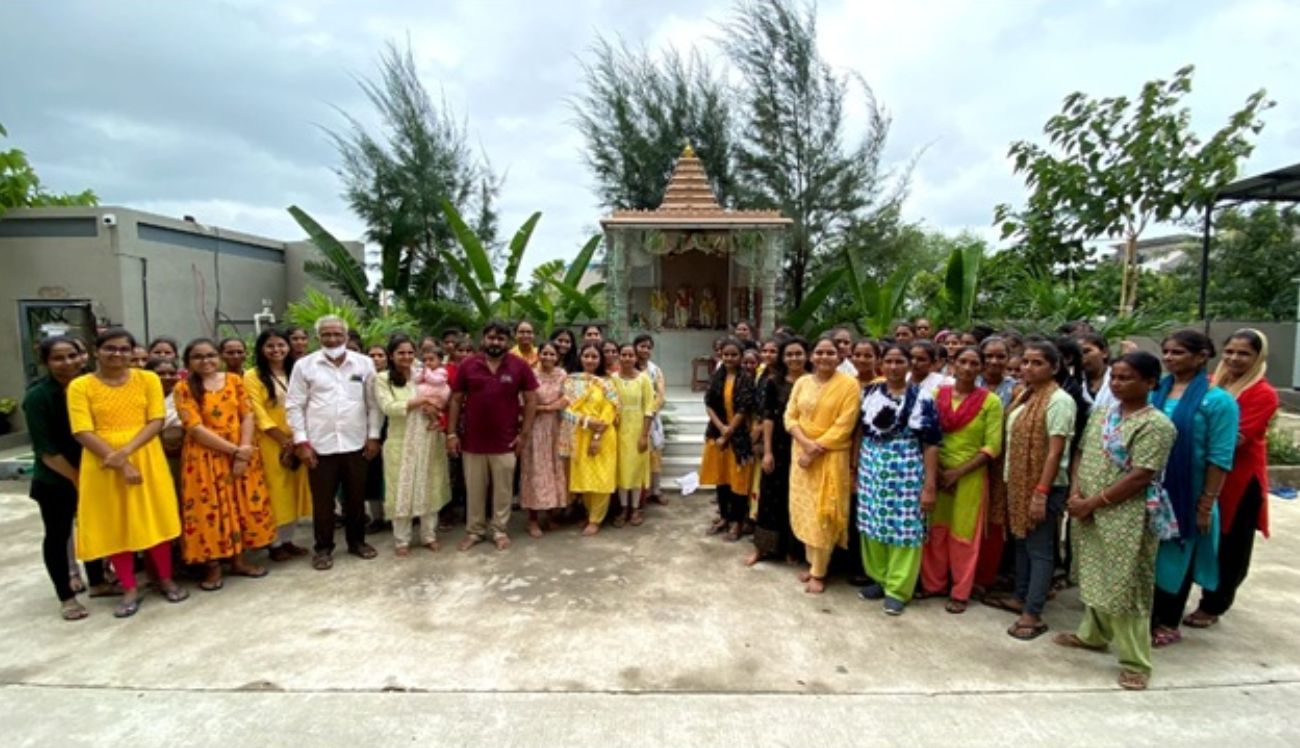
893, 607
871, 592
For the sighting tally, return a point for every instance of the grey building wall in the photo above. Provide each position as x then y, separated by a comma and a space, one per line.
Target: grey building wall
151, 274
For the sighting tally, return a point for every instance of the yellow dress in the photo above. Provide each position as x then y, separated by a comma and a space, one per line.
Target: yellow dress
636, 402
290, 492
826, 413
718, 467
661, 395
591, 397
112, 516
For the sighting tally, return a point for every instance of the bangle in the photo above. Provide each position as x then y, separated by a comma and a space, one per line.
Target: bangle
1040, 488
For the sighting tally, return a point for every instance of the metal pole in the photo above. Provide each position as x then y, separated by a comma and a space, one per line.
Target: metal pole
1205, 264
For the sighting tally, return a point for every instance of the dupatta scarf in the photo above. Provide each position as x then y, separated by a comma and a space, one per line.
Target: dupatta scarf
1178, 472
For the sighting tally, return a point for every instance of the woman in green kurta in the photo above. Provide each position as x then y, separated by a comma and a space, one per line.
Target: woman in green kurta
1124, 451
971, 420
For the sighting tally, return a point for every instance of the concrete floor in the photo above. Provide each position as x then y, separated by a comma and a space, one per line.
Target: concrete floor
648, 636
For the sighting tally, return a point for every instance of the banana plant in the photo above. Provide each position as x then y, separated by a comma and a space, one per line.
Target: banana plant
553, 301
338, 268
491, 297
877, 306
961, 283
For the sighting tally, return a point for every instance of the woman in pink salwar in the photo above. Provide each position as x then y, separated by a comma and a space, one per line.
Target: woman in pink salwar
543, 485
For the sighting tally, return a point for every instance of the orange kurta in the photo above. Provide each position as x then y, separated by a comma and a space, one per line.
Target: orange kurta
221, 514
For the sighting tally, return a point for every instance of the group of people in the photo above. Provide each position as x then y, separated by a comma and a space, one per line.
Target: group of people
996, 466
965, 465
190, 456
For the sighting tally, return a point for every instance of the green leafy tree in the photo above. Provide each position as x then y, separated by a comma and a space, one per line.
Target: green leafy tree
872, 305
1254, 261
792, 155
20, 187
1113, 166
397, 180
636, 114
337, 268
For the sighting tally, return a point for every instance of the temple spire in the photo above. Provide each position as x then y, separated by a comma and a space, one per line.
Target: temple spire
688, 187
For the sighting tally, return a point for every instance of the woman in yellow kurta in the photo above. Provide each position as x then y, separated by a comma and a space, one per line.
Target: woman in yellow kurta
636, 410
128, 503
225, 505
645, 347
593, 462
286, 478
728, 459
971, 420
820, 417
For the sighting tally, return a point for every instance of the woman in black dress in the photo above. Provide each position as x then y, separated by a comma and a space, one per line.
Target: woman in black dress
773, 537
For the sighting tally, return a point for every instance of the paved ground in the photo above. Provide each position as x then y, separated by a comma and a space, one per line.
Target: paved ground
649, 636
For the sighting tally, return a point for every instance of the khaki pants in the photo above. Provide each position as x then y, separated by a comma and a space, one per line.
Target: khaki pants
479, 469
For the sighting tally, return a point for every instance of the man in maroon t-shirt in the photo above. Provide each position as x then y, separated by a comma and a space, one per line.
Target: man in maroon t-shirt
493, 390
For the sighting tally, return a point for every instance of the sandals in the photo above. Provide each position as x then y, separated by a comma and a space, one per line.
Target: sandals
1199, 619
1027, 631
502, 542
1164, 637
534, 530
637, 518
469, 542
175, 593
591, 529
73, 611
402, 551
212, 585
107, 589
364, 551
1004, 602
955, 606
322, 561
252, 572
1132, 680
1073, 641
620, 520
815, 586
718, 527
76, 584
126, 609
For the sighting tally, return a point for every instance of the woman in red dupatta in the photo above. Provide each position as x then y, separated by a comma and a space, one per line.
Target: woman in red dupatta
1243, 501
971, 420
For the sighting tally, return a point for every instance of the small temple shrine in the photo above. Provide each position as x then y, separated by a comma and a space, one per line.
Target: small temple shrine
690, 269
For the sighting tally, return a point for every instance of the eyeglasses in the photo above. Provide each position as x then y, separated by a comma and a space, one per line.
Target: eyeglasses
116, 350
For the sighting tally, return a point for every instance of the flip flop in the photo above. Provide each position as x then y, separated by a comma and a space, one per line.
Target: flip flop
177, 594
469, 542
322, 562
207, 586
956, 606
1003, 602
113, 590
1027, 633
74, 612
502, 542
248, 572
1131, 680
1165, 637
1200, 621
126, 609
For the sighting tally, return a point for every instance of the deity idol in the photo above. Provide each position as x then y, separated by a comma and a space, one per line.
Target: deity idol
708, 309
682, 307
658, 309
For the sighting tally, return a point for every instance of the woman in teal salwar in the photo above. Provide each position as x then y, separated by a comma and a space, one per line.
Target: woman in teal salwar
1206, 417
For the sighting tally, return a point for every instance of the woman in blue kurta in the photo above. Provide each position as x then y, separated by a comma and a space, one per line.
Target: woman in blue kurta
1206, 417
898, 467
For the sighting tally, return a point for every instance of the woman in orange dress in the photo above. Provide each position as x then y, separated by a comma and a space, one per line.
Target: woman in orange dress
225, 503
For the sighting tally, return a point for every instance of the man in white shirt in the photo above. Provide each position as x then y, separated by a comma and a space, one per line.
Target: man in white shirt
335, 422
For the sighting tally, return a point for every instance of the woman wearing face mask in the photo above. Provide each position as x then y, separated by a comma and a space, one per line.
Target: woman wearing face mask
728, 459
267, 384
593, 462
1243, 503
1123, 451
897, 476
971, 420
543, 482
820, 417
115, 413
1039, 429
1207, 419
55, 476
225, 503
773, 537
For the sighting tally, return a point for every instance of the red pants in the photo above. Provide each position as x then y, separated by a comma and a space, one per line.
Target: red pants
945, 557
160, 556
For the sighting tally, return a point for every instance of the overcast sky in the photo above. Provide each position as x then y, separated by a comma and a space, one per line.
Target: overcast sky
214, 108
